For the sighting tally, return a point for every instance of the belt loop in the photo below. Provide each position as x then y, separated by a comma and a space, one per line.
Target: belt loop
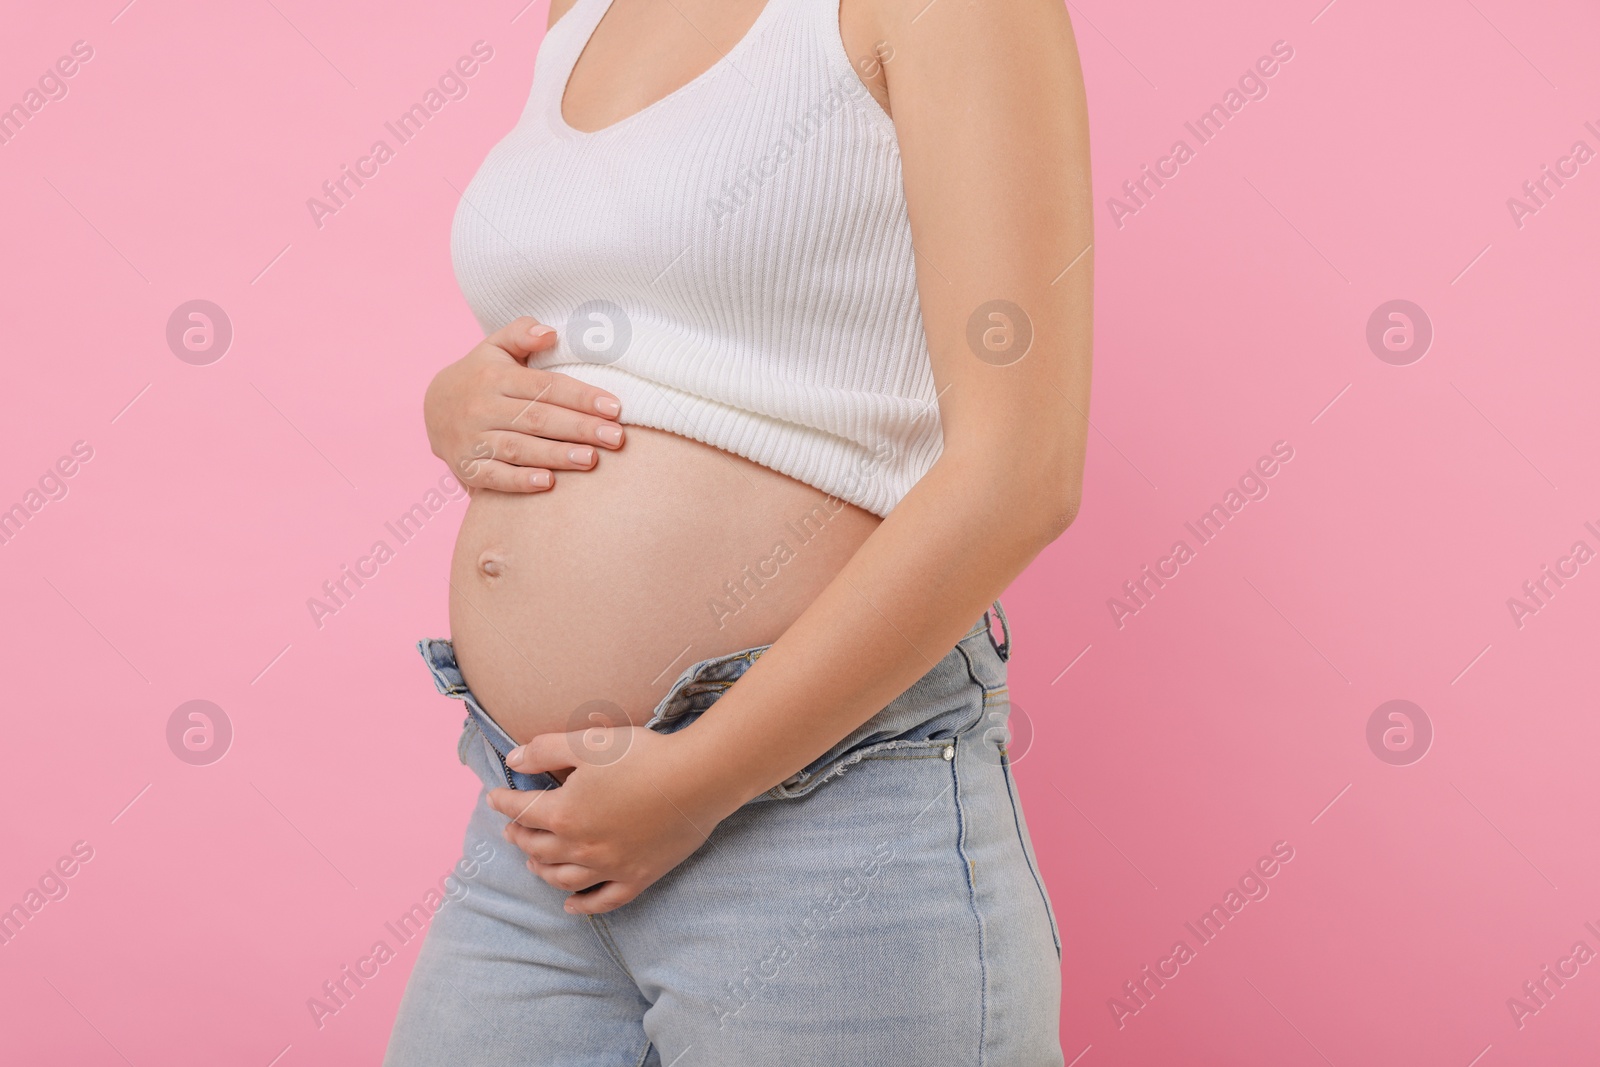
1001, 647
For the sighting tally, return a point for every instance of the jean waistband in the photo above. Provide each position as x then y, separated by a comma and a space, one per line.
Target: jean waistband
935, 706
440, 656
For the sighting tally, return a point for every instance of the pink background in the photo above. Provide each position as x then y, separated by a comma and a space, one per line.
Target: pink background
1228, 714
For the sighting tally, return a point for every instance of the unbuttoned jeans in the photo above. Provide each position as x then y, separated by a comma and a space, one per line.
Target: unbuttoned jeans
881, 907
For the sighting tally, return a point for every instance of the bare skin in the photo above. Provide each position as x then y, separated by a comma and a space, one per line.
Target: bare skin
581, 606
591, 591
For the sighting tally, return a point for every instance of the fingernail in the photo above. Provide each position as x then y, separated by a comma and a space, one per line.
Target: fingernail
608, 406
570, 909
611, 435
541, 479
582, 454
539, 332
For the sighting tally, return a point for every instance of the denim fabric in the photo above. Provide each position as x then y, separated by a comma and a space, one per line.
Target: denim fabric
881, 907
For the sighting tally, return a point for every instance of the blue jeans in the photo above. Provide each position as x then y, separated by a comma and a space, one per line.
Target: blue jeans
882, 906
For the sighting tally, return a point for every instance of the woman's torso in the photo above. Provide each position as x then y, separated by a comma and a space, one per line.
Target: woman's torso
583, 604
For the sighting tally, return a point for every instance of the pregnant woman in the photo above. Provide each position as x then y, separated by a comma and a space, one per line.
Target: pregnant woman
789, 314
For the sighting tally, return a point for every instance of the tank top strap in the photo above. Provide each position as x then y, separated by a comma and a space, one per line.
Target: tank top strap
820, 22
577, 26
559, 51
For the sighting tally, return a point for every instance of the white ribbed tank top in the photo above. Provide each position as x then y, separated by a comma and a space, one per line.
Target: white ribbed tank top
733, 262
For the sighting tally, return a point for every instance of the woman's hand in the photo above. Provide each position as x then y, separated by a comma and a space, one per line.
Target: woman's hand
635, 805
501, 425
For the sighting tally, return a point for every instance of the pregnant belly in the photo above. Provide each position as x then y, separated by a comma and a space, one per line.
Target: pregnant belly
592, 598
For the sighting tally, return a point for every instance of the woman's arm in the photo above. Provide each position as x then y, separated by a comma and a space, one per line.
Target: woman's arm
992, 122
991, 117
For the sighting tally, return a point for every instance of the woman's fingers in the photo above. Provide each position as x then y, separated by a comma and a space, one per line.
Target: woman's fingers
522, 337
551, 857
541, 846
527, 450
554, 422
519, 805
608, 897
562, 390
519, 463
572, 877
505, 478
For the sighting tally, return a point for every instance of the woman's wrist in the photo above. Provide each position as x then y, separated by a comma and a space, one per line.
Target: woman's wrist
730, 770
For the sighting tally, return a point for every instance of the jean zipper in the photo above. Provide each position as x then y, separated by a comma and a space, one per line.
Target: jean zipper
510, 782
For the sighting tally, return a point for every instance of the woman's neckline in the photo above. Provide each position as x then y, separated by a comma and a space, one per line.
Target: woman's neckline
559, 120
